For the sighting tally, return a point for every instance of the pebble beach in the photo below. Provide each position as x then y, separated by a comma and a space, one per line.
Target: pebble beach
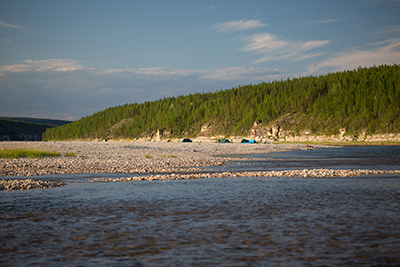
125, 157
160, 160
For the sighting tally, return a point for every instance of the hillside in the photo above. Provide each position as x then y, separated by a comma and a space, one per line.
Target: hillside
37, 120
359, 101
25, 129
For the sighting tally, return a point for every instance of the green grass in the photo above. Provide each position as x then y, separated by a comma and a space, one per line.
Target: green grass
71, 154
172, 156
147, 156
17, 153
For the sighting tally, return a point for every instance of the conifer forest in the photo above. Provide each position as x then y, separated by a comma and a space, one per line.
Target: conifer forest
364, 99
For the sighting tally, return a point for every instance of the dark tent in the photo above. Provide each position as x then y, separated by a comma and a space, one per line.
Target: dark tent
224, 141
244, 141
186, 140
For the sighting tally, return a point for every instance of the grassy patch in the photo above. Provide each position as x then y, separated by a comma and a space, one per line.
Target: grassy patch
17, 153
172, 156
70, 154
147, 156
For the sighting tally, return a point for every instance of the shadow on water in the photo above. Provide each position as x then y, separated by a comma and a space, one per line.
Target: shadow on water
244, 221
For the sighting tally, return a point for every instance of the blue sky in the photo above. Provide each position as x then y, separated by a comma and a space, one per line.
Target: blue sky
69, 59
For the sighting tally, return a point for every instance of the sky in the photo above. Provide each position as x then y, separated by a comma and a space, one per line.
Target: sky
69, 59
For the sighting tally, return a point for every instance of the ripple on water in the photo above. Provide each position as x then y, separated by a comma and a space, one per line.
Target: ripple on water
225, 221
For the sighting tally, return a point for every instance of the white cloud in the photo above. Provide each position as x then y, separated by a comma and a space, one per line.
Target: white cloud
307, 56
304, 46
387, 52
11, 25
237, 25
69, 65
264, 43
62, 88
212, 7
158, 71
275, 48
324, 21
224, 74
53, 64
235, 73
389, 29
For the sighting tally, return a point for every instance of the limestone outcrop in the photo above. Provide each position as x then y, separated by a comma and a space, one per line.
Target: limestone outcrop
253, 131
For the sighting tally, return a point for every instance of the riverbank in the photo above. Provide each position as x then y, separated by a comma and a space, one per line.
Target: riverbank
160, 161
127, 157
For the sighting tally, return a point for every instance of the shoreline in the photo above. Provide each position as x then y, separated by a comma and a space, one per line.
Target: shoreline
147, 160
127, 157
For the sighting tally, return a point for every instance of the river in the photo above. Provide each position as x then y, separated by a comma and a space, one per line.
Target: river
242, 221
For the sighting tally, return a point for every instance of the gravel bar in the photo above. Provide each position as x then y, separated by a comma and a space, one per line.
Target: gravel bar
126, 157
22, 184
313, 173
159, 160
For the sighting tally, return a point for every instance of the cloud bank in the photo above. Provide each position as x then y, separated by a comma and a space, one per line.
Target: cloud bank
65, 89
58, 65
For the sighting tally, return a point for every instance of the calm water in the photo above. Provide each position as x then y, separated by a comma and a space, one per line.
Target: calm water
350, 157
220, 222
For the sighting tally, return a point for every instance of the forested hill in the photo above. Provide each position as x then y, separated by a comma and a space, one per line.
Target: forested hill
37, 120
358, 100
22, 129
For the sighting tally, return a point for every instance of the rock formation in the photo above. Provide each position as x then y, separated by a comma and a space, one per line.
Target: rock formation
254, 129
275, 129
159, 134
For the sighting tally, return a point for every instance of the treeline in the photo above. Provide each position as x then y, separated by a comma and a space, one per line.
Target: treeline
37, 120
358, 100
21, 131
25, 129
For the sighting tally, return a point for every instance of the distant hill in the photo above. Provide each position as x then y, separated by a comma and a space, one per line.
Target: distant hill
25, 129
37, 120
361, 101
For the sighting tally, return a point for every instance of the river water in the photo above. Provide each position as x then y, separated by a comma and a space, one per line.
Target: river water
246, 221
